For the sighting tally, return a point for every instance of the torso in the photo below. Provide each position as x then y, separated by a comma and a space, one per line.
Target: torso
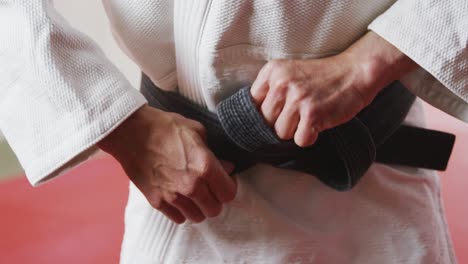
209, 49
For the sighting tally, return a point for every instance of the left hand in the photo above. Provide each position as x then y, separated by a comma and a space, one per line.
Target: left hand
300, 98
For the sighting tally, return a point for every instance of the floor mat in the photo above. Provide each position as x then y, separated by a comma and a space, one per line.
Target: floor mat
77, 218
454, 180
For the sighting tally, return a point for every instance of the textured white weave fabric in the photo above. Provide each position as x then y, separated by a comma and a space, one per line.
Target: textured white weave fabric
434, 34
59, 95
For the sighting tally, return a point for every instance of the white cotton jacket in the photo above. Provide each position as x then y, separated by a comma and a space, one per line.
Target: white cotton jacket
59, 95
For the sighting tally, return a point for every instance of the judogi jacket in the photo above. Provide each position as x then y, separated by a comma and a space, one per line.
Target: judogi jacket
59, 95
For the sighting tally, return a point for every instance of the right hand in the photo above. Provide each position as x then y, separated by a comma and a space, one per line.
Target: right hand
165, 156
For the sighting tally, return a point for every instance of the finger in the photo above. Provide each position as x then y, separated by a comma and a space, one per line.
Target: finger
306, 134
287, 123
187, 207
260, 87
259, 91
220, 183
206, 201
171, 212
273, 105
227, 166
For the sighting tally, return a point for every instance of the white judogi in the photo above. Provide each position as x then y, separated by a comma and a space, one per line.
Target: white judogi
59, 96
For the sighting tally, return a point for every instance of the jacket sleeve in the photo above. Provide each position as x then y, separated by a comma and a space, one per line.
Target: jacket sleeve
59, 95
434, 34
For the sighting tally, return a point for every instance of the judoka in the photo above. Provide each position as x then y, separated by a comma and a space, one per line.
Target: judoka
310, 65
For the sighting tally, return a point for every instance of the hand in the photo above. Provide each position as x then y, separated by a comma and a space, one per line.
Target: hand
165, 156
300, 98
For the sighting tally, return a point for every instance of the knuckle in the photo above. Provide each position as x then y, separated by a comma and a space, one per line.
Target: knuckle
265, 70
203, 165
199, 127
172, 199
189, 190
290, 108
156, 203
280, 85
297, 94
313, 113
204, 169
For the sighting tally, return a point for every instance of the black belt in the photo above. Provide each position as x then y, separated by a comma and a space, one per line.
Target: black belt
340, 156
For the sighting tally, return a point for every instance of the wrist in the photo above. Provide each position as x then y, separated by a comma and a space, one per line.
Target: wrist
378, 62
113, 143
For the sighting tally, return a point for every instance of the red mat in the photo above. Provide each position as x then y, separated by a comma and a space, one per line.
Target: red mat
455, 181
78, 218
